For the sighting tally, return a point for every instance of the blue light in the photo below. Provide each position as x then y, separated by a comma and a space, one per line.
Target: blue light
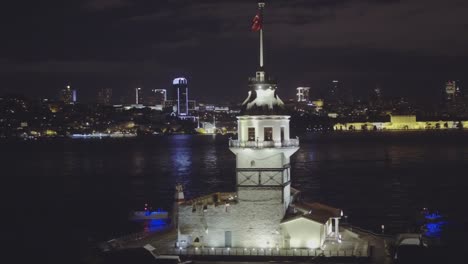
432, 216
434, 229
154, 225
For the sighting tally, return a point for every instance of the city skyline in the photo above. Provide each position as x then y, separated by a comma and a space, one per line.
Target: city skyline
403, 47
324, 92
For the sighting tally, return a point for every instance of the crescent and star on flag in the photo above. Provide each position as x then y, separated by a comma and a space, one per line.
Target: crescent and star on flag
257, 22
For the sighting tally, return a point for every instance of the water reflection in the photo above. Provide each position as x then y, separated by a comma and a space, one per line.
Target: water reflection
181, 158
375, 181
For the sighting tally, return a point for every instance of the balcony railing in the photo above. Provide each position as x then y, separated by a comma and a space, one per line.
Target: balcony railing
289, 143
299, 252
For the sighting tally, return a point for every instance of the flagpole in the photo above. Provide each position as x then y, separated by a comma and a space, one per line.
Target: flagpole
261, 48
261, 5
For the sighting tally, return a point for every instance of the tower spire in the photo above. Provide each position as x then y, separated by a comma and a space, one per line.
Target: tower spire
261, 6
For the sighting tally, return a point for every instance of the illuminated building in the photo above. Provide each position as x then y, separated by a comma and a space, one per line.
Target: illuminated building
401, 122
74, 96
318, 104
67, 95
303, 94
455, 103
138, 96
337, 94
450, 89
180, 87
158, 98
104, 96
375, 98
334, 88
258, 214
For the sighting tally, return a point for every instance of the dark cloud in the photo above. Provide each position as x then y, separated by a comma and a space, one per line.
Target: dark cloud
307, 41
97, 5
77, 66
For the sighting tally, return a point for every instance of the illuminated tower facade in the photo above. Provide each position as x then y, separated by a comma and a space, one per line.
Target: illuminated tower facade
180, 86
263, 150
251, 216
256, 215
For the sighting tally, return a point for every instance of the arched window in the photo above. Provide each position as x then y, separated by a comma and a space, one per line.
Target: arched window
197, 240
251, 133
267, 133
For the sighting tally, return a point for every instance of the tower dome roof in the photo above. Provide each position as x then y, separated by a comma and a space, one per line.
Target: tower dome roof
180, 80
262, 98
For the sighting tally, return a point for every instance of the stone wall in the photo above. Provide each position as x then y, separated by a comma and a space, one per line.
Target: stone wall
252, 224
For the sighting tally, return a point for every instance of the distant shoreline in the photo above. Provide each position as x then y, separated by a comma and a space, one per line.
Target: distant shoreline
393, 135
402, 135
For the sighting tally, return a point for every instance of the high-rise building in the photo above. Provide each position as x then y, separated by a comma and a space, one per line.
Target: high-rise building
104, 96
334, 90
157, 97
375, 97
303, 94
67, 95
337, 94
138, 96
180, 86
450, 89
456, 102
74, 96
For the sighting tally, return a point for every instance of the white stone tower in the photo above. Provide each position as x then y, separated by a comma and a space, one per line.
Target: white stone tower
263, 147
263, 150
250, 217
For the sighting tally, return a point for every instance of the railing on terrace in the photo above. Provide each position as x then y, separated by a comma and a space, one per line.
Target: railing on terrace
264, 144
266, 252
351, 227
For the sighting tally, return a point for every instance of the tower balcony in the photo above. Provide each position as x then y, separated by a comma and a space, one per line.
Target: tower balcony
288, 143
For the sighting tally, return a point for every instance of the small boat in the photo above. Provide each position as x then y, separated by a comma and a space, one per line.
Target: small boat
148, 214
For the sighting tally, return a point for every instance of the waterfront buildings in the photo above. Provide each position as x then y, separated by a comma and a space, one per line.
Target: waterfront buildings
402, 122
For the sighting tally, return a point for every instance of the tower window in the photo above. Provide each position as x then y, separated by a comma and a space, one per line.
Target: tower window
251, 133
268, 134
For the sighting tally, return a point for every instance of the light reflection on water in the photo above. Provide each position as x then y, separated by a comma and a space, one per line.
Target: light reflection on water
375, 181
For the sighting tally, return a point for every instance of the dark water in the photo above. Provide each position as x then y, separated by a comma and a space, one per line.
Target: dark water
70, 192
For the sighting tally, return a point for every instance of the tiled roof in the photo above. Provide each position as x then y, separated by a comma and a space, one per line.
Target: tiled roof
317, 212
319, 208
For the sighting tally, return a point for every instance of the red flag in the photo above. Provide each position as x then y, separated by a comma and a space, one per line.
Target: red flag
257, 22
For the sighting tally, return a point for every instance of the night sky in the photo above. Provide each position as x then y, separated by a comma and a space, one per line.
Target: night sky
408, 48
